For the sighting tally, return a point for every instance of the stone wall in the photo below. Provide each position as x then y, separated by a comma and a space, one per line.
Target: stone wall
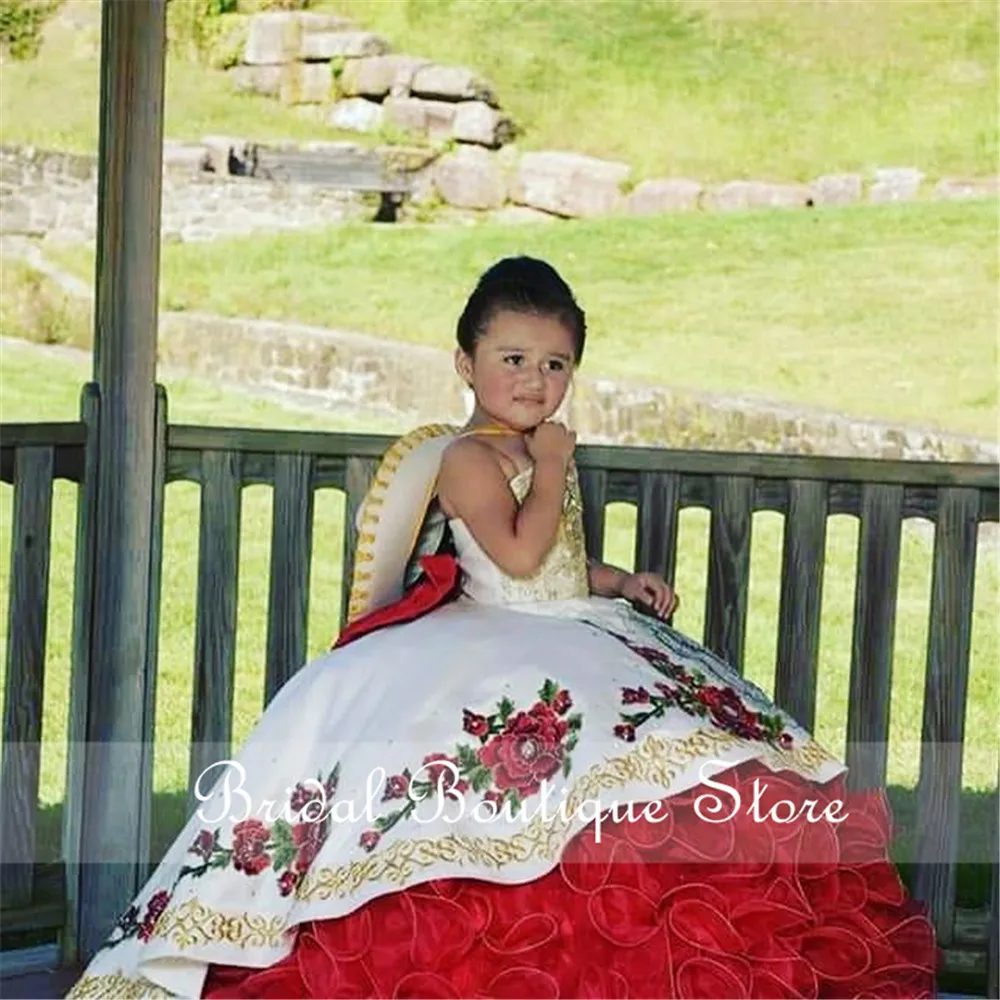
54, 195
419, 384
414, 384
355, 82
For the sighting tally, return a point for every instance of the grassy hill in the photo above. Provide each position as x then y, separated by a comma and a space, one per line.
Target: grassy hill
786, 305
714, 89
728, 88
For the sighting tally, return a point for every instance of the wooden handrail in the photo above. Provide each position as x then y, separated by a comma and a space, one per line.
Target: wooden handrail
807, 490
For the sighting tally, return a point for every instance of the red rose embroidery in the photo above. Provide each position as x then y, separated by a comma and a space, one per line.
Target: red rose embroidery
495, 798
635, 696
396, 787
305, 795
694, 697
308, 838
154, 910
249, 841
203, 845
439, 774
527, 752
473, 724
518, 751
287, 883
562, 702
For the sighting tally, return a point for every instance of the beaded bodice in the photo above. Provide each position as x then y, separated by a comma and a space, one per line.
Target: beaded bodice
563, 573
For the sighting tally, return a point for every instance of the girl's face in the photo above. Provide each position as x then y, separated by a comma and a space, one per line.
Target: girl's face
520, 369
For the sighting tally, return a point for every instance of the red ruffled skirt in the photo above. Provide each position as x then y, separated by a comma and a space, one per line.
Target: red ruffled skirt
681, 907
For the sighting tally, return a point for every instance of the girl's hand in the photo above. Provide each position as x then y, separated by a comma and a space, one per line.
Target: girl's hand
652, 591
551, 441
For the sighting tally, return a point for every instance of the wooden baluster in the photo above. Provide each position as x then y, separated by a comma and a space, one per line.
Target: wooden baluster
594, 488
874, 632
291, 561
656, 523
939, 791
215, 625
801, 600
83, 588
24, 692
729, 567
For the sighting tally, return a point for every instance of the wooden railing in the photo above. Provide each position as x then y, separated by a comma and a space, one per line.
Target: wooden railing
806, 490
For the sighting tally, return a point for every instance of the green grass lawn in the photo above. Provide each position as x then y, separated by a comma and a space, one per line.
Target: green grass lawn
22, 371
52, 102
714, 89
711, 89
888, 312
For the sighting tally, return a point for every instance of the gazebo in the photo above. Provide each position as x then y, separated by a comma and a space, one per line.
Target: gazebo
122, 453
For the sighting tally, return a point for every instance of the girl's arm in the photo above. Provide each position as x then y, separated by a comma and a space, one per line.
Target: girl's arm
605, 580
645, 589
472, 486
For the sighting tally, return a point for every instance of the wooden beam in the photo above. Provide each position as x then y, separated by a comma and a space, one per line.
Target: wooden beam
114, 833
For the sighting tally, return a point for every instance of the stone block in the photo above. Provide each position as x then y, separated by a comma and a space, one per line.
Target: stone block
273, 38
569, 184
736, 195
356, 115
476, 122
451, 83
411, 114
470, 178
896, 184
665, 194
959, 189
837, 189
313, 21
306, 83
378, 76
264, 80
326, 45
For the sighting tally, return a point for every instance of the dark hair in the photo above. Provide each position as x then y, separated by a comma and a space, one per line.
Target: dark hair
526, 285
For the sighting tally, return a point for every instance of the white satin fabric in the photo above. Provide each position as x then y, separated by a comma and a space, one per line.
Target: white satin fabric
387, 702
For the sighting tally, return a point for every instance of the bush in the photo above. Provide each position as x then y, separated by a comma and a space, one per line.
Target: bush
34, 307
21, 24
193, 25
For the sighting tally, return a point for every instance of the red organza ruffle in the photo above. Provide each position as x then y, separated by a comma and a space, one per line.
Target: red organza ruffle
677, 908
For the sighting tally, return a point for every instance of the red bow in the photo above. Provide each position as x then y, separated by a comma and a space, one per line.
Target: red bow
438, 585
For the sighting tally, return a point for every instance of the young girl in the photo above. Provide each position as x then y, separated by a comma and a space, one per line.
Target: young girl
505, 781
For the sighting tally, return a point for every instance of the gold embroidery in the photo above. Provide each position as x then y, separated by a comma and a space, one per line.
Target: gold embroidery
115, 986
655, 761
563, 573
360, 594
192, 923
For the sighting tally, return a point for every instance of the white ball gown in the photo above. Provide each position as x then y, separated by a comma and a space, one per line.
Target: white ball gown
524, 791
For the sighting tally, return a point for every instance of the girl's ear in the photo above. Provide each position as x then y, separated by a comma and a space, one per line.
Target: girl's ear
463, 365
563, 414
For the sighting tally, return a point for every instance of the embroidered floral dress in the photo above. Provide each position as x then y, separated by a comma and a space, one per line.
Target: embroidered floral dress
527, 792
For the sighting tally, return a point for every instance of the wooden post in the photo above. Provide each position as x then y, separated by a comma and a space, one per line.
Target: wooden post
116, 803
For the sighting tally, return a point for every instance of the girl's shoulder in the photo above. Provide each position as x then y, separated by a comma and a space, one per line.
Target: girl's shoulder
468, 454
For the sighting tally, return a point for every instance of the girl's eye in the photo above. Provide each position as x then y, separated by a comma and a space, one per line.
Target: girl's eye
556, 365
514, 359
